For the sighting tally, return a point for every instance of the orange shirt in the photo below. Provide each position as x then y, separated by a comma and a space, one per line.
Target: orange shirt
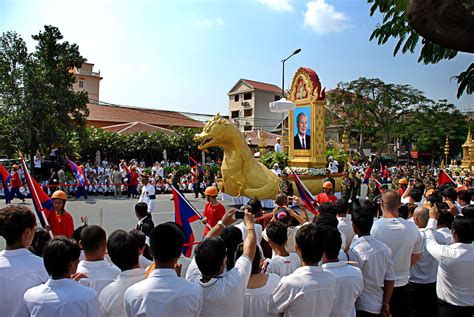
15, 180
324, 198
63, 225
213, 215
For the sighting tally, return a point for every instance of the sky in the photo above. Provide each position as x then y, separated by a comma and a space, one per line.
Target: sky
186, 55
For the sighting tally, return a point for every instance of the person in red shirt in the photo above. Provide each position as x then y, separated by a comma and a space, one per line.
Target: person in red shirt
132, 189
63, 224
16, 184
213, 211
403, 184
326, 196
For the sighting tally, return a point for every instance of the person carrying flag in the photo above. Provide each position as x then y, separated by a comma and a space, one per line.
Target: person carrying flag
213, 211
64, 224
16, 184
326, 196
132, 189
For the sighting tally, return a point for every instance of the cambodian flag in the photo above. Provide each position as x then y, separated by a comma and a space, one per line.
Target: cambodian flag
444, 178
367, 174
5, 177
184, 215
305, 195
194, 165
77, 171
43, 204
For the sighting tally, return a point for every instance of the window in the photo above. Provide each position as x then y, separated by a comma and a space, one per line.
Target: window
247, 128
236, 98
248, 96
81, 84
234, 114
247, 112
277, 97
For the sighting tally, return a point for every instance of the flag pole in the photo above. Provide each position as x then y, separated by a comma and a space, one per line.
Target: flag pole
192, 207
304, 186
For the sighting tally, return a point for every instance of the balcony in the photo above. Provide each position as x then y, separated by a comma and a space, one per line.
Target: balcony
87, 73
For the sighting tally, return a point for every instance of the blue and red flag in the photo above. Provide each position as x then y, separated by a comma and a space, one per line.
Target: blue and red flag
305, 195
5, 177
77, 171
184, 215
194, 165
367, 174
41, 201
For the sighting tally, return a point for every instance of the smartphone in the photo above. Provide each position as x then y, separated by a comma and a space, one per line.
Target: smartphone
239, 215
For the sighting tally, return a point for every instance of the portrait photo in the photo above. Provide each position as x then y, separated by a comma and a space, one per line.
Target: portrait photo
302, 131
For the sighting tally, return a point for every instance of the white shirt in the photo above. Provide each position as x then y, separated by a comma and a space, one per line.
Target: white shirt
309, 291
257, 228
63, 297
37, 161
111, 297
448, 236
20, 270
256, 299
404, 239
345, 228
282, 265
278, 148
144, 262
375, 261
163, 294
426, 269
349, 286
148, 190
224, 295
99, 274
455, 283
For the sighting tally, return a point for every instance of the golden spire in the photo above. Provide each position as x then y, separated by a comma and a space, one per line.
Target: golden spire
468, 138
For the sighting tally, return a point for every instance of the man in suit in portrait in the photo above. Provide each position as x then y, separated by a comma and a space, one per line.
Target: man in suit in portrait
302, 140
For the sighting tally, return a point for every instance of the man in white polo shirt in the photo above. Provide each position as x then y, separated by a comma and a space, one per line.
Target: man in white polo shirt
309, 291
455, 286
19, 268
164, 293
404, 240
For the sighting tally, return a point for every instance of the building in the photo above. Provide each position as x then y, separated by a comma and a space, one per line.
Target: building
87, 80
248, 105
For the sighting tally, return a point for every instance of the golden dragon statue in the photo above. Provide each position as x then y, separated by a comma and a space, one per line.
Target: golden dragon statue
242, 174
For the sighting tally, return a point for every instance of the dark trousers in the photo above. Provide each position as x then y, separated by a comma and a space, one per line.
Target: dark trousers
81, 191
16, 192
132, 190
423, 300
448, 310
363, 313
198, 190
400, 301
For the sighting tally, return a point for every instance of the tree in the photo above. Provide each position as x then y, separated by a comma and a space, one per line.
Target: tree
36, 94
437, 26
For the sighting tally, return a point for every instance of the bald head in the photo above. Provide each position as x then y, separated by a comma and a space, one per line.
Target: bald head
391, 201
421, 216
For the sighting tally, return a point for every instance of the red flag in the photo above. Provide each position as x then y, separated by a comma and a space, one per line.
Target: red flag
305, 195
367, 174
444, 178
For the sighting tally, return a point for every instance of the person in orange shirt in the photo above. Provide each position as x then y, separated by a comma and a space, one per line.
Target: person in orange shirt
403, 184
326, 196
213, 211
16, 184
63, 224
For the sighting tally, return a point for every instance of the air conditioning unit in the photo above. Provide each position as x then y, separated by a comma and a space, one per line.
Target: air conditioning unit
247, 123
245, 104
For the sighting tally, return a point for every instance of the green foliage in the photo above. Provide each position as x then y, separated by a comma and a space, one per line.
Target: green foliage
270, 158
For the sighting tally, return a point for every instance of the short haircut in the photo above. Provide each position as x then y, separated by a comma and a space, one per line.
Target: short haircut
468, 212
333, 242
277, 233
76, 235
445, 217
391, 200
41, 238
140, 236
311, 241
403, 211
123, 249
464, 229
256, 206
92, 238
326, 220
416, 195
419, 186
464, 195
209, 255
166, 242
435, 197
14, 220
327, 208
363, 219
450, 193
58, 255
256, 259
281, 199
341, 207
232, 237
141, 209
298, 117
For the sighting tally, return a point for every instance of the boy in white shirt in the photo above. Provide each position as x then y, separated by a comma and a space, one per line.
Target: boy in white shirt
19, 268
123, 251
60, 295
99, 272
282, 263
317, 286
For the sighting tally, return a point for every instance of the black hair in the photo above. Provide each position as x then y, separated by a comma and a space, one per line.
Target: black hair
232, 237
450, 193
327, 208
463, 195
435, 197
471, 192
58, 255
363, 219
403, 211
277, 232
419, 186
311, 241
256, 206
76, 235
141, 209
464, 229
326, 220
140, 236
416, 195
371, 207
468, 212
41, 238
14, 220
92, 238
445, 217
166, 242
123, 249
341, 207
256, 259
209, 255
286, 220
333, 242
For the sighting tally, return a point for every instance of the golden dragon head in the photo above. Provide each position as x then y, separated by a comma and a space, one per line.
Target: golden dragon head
215, 133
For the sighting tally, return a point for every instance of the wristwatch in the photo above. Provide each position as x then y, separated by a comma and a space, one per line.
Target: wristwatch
221, 223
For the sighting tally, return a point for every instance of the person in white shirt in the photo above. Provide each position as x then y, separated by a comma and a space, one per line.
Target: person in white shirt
142, 248
455, 280
345, 223
374, 259
164, 293
318, 286
333, 165
278, 147
19, 268
276, 169
282, 262
123, 251
60, 295
424, 301
147, 193
349, 280
258, 228
223, 291
404, 240
99, 272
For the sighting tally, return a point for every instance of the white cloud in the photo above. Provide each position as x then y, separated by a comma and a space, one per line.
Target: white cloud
278, 5
323, 17
208, 23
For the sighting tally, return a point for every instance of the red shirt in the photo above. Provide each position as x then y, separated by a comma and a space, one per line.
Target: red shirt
401, 191
213, 215
324, 198
385, 173
61, 224
134, 179
15, 180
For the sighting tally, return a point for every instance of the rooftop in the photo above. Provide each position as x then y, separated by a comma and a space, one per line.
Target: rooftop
258, 85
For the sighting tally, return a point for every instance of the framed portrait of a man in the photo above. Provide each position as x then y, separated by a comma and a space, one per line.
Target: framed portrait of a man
302, 128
